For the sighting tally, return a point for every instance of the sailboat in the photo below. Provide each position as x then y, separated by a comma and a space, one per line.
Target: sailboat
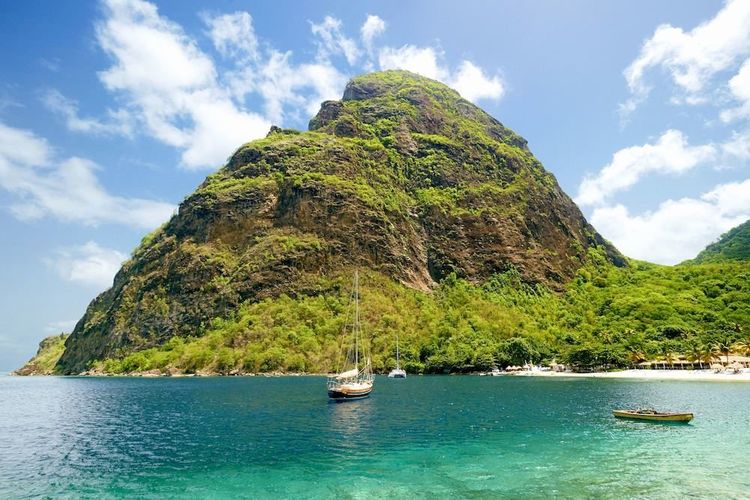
355, 379
397, 372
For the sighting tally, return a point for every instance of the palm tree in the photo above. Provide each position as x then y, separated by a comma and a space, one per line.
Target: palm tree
742, 346
722, 348
695, 353
707, 354
666, 351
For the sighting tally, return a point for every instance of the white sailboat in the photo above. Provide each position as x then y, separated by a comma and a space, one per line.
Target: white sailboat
355, 379
397, 372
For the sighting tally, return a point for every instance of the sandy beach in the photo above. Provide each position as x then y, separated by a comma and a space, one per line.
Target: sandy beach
694, 375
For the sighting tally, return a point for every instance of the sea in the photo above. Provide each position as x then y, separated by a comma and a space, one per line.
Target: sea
422, 437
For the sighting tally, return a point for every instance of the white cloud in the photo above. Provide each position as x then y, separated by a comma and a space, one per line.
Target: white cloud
692, 58
739, 86
283, 84
88, 264
172, 91
678, 229
67, 190
671, 154
233, 35
332, 41
171, 85
471, 82
738, 147
119, 121
421, 60
373, 27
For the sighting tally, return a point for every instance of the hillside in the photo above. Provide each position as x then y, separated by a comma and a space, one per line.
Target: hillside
402, 177
733, 245
45, 360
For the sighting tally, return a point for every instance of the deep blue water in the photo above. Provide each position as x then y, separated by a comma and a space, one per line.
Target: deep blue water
423, 437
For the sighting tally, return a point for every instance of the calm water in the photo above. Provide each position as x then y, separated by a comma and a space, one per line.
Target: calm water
422, 437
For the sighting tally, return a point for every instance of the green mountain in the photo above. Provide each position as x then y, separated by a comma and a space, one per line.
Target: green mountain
402, 178
733, 245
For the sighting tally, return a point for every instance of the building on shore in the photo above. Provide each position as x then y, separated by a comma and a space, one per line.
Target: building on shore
682, 363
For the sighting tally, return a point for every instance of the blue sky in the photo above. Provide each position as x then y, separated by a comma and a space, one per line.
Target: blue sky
111, 112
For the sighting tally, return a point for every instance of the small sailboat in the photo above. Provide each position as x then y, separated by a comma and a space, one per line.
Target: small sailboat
355, 379
397, 372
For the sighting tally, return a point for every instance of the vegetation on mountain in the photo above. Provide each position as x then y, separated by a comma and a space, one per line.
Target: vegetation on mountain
45, 360
402, 177
733, 245
607, 317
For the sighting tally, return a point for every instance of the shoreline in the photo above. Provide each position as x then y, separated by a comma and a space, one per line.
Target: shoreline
688, 375
654, 375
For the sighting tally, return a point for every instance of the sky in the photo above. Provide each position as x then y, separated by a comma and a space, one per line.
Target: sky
112, 111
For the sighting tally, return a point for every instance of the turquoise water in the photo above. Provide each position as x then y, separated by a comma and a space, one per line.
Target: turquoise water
423, 437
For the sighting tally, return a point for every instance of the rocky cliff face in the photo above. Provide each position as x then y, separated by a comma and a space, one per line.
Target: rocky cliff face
402, 176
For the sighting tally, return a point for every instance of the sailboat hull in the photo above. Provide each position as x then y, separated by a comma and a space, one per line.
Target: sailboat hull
340, 394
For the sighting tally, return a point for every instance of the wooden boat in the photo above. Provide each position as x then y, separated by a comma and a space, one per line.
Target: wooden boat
355, 380
397, 372
653, 415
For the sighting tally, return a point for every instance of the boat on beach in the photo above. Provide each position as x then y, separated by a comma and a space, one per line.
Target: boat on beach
355, 379
653, 415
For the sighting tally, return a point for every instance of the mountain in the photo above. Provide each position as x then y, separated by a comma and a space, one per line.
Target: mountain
402, 178
733, 245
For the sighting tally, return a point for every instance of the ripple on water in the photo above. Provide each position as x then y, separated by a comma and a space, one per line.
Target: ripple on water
420, 437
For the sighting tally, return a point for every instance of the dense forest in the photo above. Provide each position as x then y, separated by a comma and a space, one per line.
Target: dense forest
608, 317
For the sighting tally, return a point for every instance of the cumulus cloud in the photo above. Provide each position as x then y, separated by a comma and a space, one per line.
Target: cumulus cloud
422, 60
65, 189
171, 85
281, 82
739, 86
332, 41
233, 35
171, 90
89, 264
670, 154
471, 82
678, 229
469, 79
691, 58
373, 27
737, 147
119, 121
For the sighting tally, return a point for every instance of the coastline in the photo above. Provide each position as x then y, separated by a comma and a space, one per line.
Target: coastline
654, 375
689, 375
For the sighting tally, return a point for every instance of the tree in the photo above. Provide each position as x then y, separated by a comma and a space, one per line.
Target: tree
722, 348
519, 351
742, 346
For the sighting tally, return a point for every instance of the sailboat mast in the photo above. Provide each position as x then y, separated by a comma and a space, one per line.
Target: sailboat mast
356, 319
398, 359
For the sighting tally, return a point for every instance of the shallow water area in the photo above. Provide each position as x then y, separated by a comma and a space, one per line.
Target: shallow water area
419, 437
